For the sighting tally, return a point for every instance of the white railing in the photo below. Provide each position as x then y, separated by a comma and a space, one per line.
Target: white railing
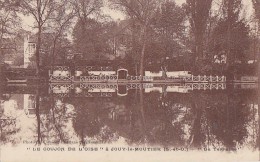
61, 68
133, 86
102, 68
60, 78
139, 78
133, 78
98, 78
90, 94
154, 74
100, 73
191, 79
98, 86
147, 78
60, 88
205, 86
205, 78
61, 95
107, 90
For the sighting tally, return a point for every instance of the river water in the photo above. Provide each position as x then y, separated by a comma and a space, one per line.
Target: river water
183, 116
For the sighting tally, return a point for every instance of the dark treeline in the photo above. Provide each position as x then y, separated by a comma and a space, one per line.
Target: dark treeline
199, 35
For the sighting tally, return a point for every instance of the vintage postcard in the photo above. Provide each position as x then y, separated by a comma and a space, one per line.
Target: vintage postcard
129, 81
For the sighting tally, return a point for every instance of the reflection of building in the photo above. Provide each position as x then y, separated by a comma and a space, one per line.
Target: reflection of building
23, 102
12, 105
1, 107
19, 99
29, 104
29, 50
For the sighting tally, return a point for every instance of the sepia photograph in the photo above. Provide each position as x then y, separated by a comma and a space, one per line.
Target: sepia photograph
129, 80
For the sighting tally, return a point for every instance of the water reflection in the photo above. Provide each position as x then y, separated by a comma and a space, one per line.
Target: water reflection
187, 115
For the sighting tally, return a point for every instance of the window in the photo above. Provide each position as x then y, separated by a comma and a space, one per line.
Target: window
31, 48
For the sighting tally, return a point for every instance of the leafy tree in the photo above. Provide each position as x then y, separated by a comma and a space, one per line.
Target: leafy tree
41, 11
168, 35
91, 40
198, 12
10, 21
85, 41
141, 12
231, 11
238, 38
60, 25
9, 24
86, 8
256, 4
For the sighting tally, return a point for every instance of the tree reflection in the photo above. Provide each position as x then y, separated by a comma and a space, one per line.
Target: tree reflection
171, 119
257, 111
8, 128
8, 123
86, 122
52, 119
57, 121
9, 118
228, 120
38, 117
200, 119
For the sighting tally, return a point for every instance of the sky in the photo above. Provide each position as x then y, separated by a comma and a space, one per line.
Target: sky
117, 15
28, 21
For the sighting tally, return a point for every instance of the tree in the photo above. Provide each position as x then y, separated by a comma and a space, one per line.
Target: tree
86, 8
256, 4
92, 40
41, 11
141, 13
60, 23
9, 20
231, 11
55, 47
234, 42
198, 13
168, 38
9, 23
